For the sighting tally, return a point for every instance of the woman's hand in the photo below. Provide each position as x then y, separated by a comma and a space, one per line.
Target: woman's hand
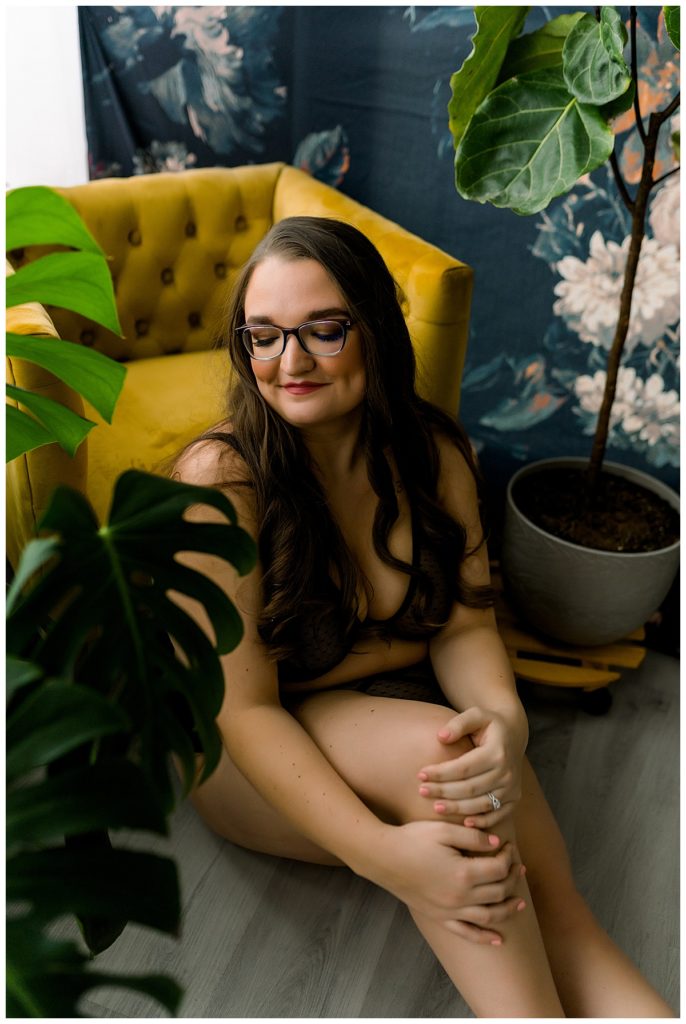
460, 787
429, 866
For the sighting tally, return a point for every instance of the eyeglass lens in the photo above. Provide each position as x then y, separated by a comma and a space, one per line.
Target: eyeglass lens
320, 338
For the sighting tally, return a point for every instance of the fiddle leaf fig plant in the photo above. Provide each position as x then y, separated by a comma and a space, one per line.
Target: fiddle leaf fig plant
99, 698
78, 280
531, 114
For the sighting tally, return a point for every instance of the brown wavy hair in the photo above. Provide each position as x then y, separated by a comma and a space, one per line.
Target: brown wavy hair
295, 525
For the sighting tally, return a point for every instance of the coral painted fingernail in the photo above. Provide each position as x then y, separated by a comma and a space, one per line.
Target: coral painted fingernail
444, 734
496, 942
424, 790
423, 776
469, 822
440, 808
521, 905
522, 871
494, 841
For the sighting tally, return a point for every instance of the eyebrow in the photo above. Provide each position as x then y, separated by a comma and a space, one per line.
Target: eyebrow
314, 314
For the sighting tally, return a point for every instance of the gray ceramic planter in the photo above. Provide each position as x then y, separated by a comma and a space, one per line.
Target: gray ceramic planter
577, 594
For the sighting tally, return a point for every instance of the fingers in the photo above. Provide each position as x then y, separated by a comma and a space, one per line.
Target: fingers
452, 812
470, 840
471, 789
477, 924
463, 724
488, 820
500, 892
466, 766
479, 936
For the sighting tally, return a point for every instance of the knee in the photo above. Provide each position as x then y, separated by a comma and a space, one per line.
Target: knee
424, 749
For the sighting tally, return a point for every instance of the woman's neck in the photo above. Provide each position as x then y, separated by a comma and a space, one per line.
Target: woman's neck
336, 449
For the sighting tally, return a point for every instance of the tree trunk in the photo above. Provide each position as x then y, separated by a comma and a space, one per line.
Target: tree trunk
622, 328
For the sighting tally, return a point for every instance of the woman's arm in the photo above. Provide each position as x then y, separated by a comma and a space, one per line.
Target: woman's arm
472, 667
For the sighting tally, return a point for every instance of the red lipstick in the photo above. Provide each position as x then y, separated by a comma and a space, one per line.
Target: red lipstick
302, 388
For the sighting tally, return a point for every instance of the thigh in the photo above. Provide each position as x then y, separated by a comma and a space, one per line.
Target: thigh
378, 745
235, 810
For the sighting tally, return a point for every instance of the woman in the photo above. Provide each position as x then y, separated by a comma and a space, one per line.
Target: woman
370, 715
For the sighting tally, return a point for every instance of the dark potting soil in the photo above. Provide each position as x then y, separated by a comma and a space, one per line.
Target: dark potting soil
621, 516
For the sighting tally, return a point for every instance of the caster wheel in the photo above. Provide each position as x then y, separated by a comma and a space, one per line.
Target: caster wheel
596, 702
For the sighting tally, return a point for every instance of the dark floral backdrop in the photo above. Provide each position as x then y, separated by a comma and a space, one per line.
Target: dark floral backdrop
357, 97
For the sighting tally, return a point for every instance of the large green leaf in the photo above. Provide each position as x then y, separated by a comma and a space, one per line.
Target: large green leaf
95, 376
79, 281
496, 26
528, 142
23, 433
140, 887
672, 20
37, 215
55, 718
106, 612
35, 558
19, 673
65, 427
593, 63
540, 49
110, 794
46, 977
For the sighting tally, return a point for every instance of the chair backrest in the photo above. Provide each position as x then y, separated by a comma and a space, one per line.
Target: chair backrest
175, 243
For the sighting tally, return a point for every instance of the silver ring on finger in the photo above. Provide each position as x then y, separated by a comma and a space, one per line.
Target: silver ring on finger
495, 803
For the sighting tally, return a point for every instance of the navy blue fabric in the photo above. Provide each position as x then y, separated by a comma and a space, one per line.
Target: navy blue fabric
357, 96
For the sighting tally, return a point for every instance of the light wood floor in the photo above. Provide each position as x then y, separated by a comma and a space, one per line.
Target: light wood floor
272, 938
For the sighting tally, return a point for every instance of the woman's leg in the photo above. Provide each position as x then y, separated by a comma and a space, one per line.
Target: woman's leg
593, 976
377, 744
234, 809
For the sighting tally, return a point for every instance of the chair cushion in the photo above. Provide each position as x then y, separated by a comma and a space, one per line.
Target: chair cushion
165, 402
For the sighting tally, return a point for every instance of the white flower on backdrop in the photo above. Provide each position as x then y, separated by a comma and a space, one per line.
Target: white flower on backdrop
589, 294
643, 410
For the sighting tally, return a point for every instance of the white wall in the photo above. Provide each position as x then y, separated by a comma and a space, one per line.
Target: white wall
45, 128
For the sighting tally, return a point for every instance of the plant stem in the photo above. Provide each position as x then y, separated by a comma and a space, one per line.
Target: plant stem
633, 15
675, 170
622, 329
619, 182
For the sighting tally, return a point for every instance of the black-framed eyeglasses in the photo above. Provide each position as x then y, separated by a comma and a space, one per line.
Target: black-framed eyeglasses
316, 337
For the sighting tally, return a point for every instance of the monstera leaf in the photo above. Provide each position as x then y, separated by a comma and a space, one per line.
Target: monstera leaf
46, 977
105, 612
98, 697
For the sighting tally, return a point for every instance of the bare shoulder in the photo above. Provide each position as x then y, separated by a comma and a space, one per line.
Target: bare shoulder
209, 461
212, 462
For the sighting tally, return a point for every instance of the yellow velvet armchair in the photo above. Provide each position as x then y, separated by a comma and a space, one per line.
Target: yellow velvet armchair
175, 243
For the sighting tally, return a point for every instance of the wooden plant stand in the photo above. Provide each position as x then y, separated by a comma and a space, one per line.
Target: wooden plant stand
538, 659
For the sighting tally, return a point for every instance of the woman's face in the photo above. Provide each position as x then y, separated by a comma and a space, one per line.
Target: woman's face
305, 390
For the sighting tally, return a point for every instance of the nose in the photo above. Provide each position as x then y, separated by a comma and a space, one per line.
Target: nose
294, 358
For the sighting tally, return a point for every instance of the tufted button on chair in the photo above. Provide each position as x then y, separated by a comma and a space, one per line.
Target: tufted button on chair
175, 243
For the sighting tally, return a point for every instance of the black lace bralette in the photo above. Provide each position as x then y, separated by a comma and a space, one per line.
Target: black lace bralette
322, 640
